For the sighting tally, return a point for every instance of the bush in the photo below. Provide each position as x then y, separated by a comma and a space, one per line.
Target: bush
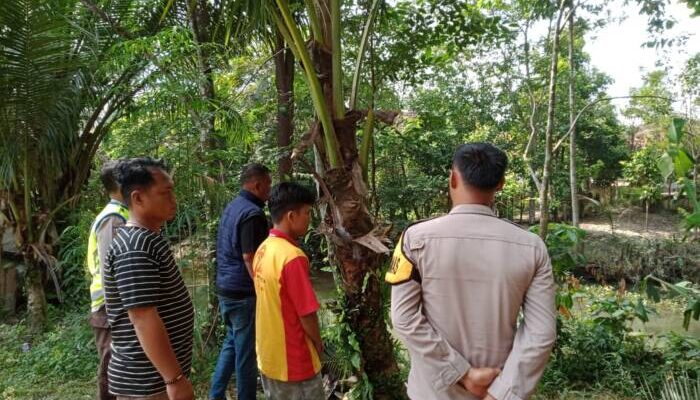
65, 353
75, 281
562, 244
616, 257
587, 356
597, 350
62, 363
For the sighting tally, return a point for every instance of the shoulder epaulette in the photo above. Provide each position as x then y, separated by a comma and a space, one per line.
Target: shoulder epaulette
403, 269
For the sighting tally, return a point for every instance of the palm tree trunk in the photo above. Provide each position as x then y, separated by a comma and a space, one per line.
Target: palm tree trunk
360, 270
346, 193
36, 298
200, 25
284, 80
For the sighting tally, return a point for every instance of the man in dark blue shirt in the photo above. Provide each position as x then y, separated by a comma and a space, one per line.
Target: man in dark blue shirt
242, 228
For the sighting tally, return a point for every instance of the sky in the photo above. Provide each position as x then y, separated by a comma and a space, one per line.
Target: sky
616, 49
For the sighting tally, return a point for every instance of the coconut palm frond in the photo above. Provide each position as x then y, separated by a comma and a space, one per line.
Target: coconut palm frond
36, 76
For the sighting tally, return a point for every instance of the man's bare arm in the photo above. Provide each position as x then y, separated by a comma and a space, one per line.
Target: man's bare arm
248, 260
310, 324
155, 342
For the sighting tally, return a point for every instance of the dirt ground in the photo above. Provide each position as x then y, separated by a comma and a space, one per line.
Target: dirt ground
631, 222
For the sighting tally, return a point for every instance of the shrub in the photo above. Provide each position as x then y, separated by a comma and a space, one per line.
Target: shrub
75, 282
64, 353
616, 257
597, 350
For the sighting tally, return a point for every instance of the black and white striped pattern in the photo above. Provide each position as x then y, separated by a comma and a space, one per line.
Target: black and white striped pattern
141, 272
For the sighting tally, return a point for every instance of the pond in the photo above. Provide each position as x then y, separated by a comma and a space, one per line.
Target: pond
668, 316
198, 283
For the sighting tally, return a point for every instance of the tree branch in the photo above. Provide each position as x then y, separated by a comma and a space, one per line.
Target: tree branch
594, 102
568, 15
126, 76
532, 140
120, 30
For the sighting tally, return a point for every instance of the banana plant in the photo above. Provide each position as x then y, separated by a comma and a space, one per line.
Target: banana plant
678, 162
685, 289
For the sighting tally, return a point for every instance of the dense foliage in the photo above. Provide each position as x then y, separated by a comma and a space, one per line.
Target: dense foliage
211, 86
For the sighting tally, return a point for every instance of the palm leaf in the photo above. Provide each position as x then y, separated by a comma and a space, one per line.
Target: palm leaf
36, 84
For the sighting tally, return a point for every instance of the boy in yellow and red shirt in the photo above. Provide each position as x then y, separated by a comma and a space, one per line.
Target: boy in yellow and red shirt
288, 342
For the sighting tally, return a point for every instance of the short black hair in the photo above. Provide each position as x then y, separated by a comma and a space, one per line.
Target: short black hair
135, 173
253, 171
288, 196
481, 165
107, 176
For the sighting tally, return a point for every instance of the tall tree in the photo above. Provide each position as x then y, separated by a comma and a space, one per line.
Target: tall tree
356, 246
647, 102
284, 82
201, 25
549, 130
573, 180
355, 239
57, 107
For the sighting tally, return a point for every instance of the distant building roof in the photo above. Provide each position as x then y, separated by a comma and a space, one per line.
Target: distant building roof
644, 134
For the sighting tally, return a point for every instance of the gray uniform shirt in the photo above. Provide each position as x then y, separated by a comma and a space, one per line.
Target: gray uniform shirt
471, 274
105, 233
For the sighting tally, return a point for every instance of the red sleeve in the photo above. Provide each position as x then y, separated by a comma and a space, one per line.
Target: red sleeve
295, 278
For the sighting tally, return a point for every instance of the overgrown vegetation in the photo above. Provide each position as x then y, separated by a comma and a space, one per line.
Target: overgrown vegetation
367, 102
611, 258
597, 349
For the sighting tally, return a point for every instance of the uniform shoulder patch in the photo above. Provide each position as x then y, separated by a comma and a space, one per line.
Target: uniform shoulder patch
402, 268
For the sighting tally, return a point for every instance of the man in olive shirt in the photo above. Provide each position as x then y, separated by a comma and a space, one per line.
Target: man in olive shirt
112, 216
460, 282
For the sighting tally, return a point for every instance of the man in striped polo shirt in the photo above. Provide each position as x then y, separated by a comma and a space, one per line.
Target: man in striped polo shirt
289, 343
148, 305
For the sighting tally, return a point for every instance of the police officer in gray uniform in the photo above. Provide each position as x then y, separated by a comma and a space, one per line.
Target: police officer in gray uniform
460, 282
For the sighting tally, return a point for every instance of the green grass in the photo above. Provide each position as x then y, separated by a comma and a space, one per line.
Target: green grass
577, 395
61, 363
51, 391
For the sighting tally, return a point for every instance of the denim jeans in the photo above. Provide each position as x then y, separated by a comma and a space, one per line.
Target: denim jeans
237, 351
